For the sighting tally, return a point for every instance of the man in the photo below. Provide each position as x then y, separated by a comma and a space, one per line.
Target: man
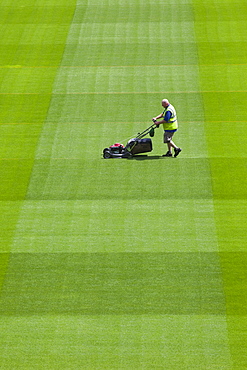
170, 124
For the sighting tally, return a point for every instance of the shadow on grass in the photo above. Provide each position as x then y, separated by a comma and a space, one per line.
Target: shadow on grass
147, 157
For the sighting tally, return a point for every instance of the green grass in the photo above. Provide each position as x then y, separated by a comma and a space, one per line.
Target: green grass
223, 77
146, 342
122, 264
114, 283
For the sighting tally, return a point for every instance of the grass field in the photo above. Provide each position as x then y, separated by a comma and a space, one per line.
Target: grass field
122, 264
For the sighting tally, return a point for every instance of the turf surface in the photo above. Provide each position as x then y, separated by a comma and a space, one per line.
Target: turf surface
122, 264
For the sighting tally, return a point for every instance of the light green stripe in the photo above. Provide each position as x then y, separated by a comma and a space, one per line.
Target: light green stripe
138, 341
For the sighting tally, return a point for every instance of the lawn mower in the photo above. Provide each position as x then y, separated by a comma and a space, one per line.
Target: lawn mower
134, 146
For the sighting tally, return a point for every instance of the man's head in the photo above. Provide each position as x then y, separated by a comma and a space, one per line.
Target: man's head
165, 103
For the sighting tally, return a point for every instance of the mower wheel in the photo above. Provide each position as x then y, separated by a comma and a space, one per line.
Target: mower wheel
106, 154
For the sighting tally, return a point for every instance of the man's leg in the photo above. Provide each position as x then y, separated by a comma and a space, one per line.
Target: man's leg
171, 145
177, 150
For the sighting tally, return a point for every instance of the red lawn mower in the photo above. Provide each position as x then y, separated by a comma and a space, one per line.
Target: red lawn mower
134, 146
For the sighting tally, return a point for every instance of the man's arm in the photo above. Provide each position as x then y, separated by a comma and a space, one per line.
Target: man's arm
158, 117
166, 118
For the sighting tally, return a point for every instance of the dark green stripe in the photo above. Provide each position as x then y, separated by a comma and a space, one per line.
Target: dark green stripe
113, 283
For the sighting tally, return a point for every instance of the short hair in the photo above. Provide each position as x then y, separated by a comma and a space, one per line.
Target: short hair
166, 101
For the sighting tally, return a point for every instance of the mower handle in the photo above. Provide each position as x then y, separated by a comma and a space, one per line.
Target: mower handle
145, 132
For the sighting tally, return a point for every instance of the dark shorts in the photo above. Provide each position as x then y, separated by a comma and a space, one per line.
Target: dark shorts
168, 134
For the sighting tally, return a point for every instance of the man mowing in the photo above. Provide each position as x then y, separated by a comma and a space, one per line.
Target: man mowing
170, 124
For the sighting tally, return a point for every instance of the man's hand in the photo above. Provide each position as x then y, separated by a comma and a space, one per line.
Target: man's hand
156, 122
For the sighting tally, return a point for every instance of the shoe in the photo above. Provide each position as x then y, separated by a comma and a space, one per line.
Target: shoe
177, 151
168, 154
